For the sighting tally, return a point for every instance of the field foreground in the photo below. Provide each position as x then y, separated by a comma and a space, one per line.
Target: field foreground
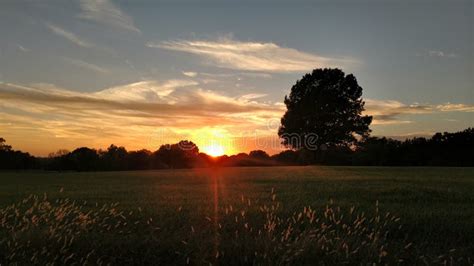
275, 215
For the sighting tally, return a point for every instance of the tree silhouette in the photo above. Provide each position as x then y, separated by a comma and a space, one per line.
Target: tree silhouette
180, 155
84, 159
259, 154
3, 146
139, 160
324, 108
11, 159
115, 158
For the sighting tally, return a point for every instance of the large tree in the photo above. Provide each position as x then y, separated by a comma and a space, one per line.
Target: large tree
324, 108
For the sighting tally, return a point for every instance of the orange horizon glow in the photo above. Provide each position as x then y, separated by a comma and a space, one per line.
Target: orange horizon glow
214, 141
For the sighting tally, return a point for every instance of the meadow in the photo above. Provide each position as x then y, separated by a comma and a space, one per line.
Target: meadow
254, 215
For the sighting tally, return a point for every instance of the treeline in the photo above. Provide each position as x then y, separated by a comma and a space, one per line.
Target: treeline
184, 154
442, 149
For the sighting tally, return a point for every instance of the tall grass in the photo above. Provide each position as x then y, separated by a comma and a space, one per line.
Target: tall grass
38, 230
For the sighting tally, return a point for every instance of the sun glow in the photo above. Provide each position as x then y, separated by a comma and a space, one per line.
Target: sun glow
213, 141
214, 150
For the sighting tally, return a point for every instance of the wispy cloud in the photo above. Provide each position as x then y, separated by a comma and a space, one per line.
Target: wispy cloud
227, 75
251, 56
452, 107
23, 49
106, 12
190, 73
68, 35
252, 96
391, 112
86, 65
438, 53
256, 75
402, 137
144, 91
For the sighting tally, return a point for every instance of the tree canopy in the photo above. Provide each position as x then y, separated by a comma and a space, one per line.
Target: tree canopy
324, 108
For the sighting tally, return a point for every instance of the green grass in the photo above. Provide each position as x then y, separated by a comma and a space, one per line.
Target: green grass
435, 205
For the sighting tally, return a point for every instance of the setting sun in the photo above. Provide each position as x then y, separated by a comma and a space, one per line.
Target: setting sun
214, 150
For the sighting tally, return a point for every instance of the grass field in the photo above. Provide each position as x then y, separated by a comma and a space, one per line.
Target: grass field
184, 216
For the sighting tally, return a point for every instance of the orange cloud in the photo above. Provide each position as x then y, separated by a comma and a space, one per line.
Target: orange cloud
133, 115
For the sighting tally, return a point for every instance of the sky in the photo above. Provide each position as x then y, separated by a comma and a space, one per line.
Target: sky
143, 73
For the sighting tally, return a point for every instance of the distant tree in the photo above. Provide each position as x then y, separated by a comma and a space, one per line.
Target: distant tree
205, 160
259, 154
324, 108
240, 159
139, 160
254, 158
288, 157
58, 153
180, 155
115, 158
4, 146
11, 159
59, 160
84, 159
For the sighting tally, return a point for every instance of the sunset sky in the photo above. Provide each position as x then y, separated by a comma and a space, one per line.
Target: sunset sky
143, 73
